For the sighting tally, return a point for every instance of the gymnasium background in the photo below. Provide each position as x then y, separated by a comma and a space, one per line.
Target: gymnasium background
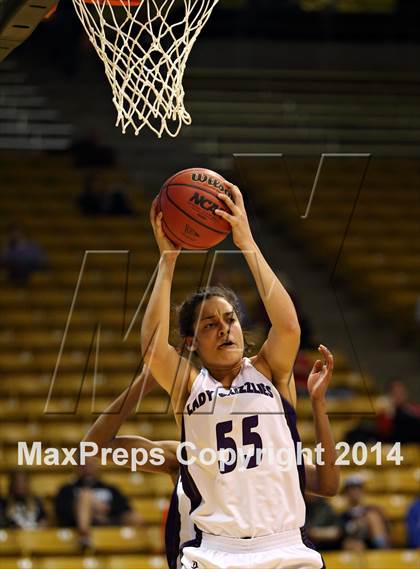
271, 86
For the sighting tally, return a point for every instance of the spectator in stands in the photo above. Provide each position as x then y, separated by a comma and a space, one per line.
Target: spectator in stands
363, 527
118, 202
91, 200
322, 523
88, 502
97, 200
88, 151
413, 524
21, 509
21, 256
365, 431
398, 419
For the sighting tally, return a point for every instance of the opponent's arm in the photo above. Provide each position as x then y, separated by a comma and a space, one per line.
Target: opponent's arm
282, 344
322, 479
107, 425
104, 430
170, 370
162, 455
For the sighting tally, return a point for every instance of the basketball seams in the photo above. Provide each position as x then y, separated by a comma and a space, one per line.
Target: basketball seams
187, 214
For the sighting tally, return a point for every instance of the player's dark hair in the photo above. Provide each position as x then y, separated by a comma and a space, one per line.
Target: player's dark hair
187, 311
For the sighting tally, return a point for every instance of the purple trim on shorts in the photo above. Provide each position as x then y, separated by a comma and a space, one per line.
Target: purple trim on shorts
306, 539
172, 531
192, 492
188, 483
309, 544
291, 418
196, 542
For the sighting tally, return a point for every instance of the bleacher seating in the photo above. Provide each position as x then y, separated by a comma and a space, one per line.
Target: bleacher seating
86, 562
373, 560
26, 118
34, 320
63, 541
379, 260
387, 559
301, 112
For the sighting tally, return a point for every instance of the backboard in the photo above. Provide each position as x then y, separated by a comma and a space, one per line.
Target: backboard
18, 19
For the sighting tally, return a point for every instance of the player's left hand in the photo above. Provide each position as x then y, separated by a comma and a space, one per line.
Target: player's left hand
237, 218
321, 374
167, 249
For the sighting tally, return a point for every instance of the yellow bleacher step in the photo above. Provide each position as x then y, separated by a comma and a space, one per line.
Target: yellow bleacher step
47, 541
342, 560
395, 479
392, 559
72, 431
64, 541
85, 562
404, 559
136, 562
133, 484
394, 506
355, 404
8, 542
21, 563
398, 533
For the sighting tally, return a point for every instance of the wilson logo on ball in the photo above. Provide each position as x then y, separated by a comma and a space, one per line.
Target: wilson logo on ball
197, 177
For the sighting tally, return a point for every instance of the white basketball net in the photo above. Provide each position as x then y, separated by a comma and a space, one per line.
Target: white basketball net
145, 49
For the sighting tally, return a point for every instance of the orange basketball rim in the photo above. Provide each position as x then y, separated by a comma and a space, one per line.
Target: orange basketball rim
125, 3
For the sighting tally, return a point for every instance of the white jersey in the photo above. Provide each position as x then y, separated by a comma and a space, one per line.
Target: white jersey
260, 492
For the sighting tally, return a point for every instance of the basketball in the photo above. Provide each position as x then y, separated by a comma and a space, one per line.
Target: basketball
188, 201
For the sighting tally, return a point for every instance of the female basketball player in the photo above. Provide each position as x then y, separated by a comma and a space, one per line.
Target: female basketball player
248, 506
179, 528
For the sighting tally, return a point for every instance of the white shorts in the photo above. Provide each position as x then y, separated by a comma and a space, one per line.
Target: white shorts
284, 550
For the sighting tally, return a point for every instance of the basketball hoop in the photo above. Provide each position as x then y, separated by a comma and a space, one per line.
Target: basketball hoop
145, 45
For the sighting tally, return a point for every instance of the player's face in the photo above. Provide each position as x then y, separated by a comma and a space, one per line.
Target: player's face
218, 333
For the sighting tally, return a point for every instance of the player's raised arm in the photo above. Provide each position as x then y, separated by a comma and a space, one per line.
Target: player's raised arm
322, 479
280, 349
104, 430
168, 368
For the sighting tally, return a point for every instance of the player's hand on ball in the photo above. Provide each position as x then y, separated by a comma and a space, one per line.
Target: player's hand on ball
237, 218
321, 374
165, 245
